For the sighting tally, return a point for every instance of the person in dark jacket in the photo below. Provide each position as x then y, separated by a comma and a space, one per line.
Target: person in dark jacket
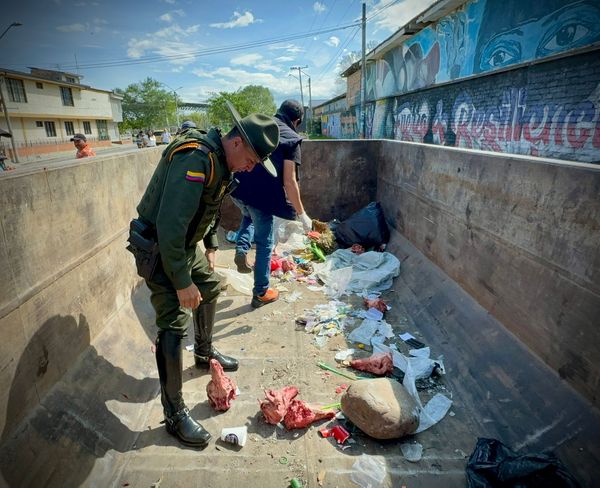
261, 196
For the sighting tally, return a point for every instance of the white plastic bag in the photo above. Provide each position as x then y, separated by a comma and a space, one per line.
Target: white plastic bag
368, 471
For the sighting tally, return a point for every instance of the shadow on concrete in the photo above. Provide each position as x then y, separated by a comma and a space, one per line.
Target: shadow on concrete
72, 427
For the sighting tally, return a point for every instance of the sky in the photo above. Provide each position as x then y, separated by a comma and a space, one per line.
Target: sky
198, 48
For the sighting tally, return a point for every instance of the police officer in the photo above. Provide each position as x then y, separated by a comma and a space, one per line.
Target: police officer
181, 204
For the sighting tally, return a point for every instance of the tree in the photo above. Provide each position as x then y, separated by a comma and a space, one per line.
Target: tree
250, 99
347, 60
199, 118
147, 106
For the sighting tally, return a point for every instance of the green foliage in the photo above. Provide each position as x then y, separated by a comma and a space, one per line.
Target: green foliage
251, 99
147, 106
199, 118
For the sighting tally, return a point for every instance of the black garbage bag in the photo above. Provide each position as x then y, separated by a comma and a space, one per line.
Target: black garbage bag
494, 465
366, 227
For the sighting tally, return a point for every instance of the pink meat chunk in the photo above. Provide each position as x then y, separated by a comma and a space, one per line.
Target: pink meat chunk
380, 364
377, 303
300, 415
221, 389
276, 403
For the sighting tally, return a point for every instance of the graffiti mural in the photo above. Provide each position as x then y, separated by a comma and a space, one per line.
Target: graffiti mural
533, 111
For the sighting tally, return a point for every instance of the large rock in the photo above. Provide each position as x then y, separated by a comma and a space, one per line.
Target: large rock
381, 408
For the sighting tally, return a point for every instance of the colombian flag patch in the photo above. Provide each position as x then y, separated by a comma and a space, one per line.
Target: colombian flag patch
195, 176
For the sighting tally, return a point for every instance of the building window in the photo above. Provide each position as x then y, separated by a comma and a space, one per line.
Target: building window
16, 90
50, 129
39, 123
67, 96
70, 79
102, 130
39, 85
87, 127
69, 128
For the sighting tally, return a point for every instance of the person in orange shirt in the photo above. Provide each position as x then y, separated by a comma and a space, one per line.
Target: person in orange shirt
83, 148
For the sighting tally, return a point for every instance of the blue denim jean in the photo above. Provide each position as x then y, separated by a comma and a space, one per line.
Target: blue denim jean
258, 225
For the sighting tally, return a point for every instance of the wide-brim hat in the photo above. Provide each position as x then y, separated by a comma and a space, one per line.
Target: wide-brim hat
260, 132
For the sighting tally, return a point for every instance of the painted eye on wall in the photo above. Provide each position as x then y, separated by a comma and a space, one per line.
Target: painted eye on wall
566, 36
500, 52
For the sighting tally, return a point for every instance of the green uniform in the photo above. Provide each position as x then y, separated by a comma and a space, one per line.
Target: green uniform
182, 201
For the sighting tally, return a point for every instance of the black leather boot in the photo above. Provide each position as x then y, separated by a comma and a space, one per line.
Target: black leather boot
204, 321
177, 417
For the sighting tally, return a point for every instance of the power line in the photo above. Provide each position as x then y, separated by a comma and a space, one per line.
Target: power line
207, 52
385, 7
348, 40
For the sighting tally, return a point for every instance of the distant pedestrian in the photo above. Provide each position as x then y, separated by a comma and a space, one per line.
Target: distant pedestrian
166, 137
83, 148
145, 139
151, 139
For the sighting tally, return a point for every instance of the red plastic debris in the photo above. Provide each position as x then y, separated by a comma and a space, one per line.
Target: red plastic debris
314, 235
341, 388
377, 303
338, 432
221, 388
357, 249
277, 403
275, 263
380, 364
300, 415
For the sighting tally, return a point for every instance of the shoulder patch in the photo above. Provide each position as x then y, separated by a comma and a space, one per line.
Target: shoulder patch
183, 147
196, 176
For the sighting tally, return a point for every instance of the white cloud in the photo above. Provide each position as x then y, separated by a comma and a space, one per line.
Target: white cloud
268, 66
246, 59
99, 21
172, 40
179, 12
284, 59
239, 20
71, 28
171, 2
333, 41
166, 17
319, 7
92, 46
395, 16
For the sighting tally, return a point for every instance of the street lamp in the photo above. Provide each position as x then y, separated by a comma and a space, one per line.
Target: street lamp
175, 97
14, 24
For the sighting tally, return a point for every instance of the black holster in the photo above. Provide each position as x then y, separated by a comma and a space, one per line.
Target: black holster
144, 247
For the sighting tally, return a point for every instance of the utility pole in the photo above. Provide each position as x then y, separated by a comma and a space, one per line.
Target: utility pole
363, 74
299, 68
7, 118
309, 127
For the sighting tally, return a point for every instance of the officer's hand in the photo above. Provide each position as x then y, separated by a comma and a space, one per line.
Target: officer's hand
306, 222
211, 257
189, 297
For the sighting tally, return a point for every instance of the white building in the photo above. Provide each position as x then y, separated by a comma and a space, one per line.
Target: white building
47, 107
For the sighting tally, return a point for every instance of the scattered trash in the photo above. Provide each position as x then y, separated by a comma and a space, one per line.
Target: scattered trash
235, 435
337, 432
295, 483
379, 364
411, 341
412, 452
371, 271
326, 239
371, 331
276, 403
341, 388
321, 341
322, 365
357, 249
292, 297
189, 347
345, 354
315, 288
300, 415
283, 460
321, 477
494, 464
221, 389
368, 471
366, 227
242, 283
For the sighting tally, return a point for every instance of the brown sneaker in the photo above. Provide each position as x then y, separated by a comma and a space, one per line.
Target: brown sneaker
269, 296
242, 263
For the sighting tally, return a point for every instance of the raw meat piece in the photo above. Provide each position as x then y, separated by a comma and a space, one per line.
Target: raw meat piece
377, 303
380, 364
300, 415
221, 388
357, 249
277, 402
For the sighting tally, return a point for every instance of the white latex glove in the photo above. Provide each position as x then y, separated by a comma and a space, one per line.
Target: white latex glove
306, 222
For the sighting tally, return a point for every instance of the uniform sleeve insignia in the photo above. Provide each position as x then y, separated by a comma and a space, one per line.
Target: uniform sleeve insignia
195, 176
